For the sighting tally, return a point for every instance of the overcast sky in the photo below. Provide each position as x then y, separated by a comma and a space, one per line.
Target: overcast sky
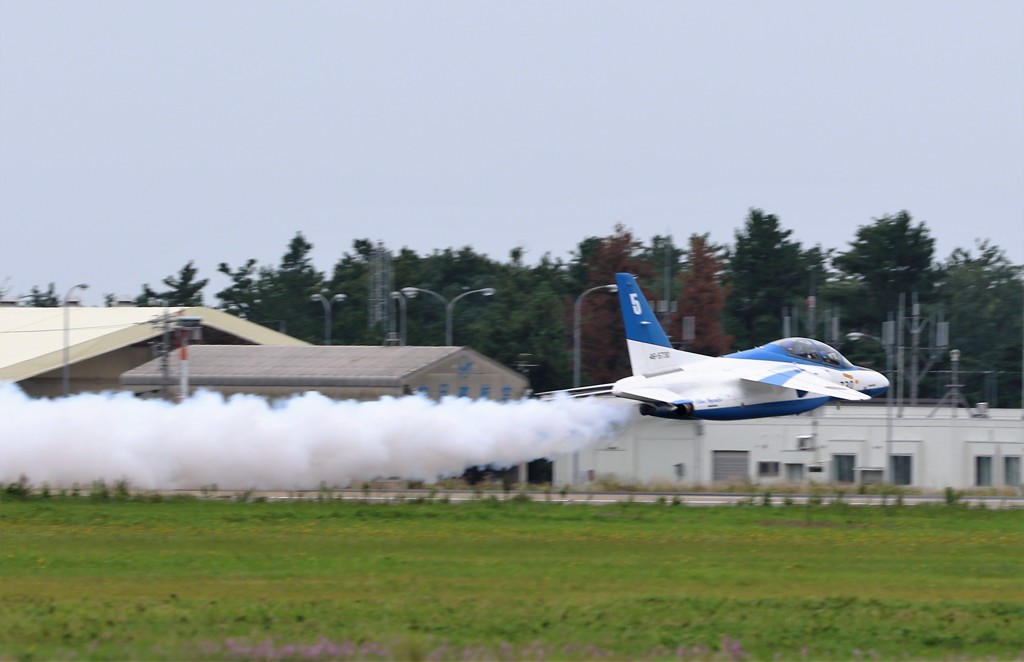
136, 136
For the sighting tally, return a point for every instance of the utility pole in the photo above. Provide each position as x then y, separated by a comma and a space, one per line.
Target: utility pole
916, 326
164, 346
812, 308
900, 354
189, 328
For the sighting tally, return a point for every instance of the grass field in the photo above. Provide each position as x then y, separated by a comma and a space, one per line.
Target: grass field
199, 579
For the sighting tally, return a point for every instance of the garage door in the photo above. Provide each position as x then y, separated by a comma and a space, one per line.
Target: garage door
730, 466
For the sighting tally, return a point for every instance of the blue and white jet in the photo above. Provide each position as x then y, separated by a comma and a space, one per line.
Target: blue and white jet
788, 376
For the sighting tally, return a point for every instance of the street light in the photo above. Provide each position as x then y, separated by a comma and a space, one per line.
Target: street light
576, 330
328, 309
66, 381
411, 292
886, 341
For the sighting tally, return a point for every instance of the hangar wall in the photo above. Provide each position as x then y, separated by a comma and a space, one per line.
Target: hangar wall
100, 373
842, 445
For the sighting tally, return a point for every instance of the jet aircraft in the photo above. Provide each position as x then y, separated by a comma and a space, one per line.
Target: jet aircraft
788, 376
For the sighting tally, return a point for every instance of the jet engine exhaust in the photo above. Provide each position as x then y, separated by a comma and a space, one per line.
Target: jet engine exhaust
680, 411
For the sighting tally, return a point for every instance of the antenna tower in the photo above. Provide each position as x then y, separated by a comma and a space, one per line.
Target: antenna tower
380, 289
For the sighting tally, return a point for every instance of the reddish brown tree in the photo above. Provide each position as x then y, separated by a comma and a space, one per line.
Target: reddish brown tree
603, 344
703, 296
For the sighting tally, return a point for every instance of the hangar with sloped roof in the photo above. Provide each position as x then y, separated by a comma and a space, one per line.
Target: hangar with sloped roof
119, 348
99, 344
343, 372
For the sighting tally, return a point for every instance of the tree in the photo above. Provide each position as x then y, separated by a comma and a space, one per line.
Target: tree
450, 273
525, 323
981, 293
892, 256
184, 290
39, 299
663, 259
242, 297
766, 271
288, 290
603, 347
703, 296
278, 298
351, 277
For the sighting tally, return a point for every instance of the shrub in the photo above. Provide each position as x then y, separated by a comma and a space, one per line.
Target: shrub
121, 491
19, 490
99, 490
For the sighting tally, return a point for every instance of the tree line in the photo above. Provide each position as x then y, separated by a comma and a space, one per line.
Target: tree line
711, 298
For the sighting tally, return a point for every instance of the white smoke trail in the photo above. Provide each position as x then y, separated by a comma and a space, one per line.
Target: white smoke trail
245, 442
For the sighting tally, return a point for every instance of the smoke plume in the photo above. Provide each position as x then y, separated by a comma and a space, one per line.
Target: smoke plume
247, 442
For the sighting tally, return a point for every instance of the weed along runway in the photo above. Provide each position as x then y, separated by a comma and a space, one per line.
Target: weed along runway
392, 495
463, 575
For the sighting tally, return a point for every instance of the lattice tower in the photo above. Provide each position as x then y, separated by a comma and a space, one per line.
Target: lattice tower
380, 289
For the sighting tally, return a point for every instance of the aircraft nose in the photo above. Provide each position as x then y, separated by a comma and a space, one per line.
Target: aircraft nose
878, 384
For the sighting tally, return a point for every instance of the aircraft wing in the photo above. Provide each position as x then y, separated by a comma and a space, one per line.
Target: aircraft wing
649, 394
791, 376
578, 392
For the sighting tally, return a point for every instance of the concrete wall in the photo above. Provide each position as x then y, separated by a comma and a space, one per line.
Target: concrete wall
939, 451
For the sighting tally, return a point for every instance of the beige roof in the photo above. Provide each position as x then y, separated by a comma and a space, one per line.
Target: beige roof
32, 339
309, 366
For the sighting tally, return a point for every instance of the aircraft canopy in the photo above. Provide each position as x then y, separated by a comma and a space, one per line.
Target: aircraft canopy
812, 350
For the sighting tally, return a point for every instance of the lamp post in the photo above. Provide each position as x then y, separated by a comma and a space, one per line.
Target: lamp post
576, 330
411, 292
398, 296
886, 341
66, 381
328, 309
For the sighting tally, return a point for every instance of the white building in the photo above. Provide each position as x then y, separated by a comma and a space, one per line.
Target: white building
930, 449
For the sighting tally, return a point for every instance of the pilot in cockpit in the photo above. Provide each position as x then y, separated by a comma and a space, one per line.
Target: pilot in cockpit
830, 357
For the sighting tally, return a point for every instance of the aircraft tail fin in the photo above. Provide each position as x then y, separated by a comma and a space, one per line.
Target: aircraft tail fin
650, 351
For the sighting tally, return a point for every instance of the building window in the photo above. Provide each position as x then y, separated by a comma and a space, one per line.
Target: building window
680, 469
901, 467
1011, 470
795, 473
768, 469
842, 468
983, 470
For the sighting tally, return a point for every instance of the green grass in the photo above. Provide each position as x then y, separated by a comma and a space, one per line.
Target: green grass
506, 580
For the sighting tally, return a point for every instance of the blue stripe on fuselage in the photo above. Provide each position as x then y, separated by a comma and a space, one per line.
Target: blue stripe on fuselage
761, 410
